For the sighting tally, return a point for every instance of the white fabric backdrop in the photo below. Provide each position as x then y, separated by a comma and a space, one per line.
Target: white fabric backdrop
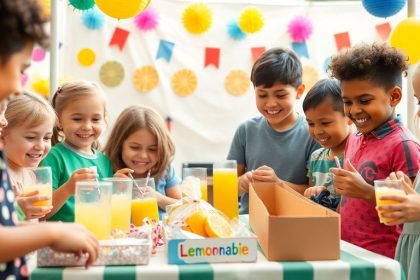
205, 121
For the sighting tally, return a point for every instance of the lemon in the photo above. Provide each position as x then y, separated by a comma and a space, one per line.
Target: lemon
197, 222
218, 226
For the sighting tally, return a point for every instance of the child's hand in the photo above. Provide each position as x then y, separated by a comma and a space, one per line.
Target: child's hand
33, 212
265, 174
75, 238
408, 207
83, 174
351, 183
316, 190
243, 182
124, 173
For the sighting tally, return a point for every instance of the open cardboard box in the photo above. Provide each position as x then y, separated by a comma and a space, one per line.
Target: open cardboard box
290, 227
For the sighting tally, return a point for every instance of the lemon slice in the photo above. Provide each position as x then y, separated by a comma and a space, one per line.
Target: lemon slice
218, 226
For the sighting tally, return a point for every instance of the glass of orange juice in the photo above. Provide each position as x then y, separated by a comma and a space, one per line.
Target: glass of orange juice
225, 187
120, 202
38, 179
93, 207
387, 187
144, 203
201, 174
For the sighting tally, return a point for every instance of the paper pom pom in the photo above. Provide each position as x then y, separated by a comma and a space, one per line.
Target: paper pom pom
41, 86
184, 82
383, 8
46, 7
81, 4
93, 19
300, 29
250, 20
147, 20
234, 31
197, 18
86, 57
38, 54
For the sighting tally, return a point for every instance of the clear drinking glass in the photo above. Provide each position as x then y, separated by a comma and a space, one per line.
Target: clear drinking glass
201, 174
93, 207
225, 187
144, 203
387, 187
38, 179
121, 202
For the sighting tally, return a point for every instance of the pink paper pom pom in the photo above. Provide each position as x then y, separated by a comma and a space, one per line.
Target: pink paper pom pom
300, 29
147, 20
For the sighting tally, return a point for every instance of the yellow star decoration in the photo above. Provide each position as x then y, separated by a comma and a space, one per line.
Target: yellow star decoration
237, 82
184, 82
145, 78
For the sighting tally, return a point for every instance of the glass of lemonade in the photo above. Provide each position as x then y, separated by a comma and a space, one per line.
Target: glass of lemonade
387, 187
38, 179
144, 203
225, 187
120, 202
201, 174
93, 207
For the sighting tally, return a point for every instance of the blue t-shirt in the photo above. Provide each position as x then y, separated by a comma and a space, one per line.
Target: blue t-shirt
168, 180
288, 152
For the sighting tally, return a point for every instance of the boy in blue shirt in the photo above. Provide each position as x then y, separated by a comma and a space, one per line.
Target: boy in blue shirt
276, 146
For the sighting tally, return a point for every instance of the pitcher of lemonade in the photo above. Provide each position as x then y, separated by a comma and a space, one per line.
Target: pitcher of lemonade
93, 207
120, 202
225, 187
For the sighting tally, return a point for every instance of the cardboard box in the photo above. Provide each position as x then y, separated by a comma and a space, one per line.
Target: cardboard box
211, 250
129, 251
290, 227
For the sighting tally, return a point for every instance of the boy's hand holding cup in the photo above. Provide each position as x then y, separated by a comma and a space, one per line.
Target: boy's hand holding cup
387, 192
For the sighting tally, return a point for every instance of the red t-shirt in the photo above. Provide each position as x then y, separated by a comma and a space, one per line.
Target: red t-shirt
390, 147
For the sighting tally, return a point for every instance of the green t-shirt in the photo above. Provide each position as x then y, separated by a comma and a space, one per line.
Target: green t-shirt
64, 161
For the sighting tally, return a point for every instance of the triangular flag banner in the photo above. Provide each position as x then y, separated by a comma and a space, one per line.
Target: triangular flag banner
300, 48
119, 37
212, 57
342, 40
383, 30
165, 50
256, 52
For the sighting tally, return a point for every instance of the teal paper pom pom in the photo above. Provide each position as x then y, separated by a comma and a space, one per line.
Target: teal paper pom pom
234, 31
93, 19
82, 4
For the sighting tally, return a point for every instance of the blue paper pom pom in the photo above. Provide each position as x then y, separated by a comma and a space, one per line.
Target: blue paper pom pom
383, 8
234, 31
93, 19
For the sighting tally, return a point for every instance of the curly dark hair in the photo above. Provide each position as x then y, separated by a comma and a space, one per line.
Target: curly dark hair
21, 21
277, 65
378, 63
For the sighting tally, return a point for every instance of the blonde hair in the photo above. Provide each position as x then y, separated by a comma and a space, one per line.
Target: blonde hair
68, 93
131, 120
28, 109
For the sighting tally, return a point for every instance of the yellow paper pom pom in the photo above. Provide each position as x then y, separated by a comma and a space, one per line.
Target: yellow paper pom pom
197, 18
41, 86
250, 20
184, 82
310, 77
86, 57
145, 78
46, 7
237, 82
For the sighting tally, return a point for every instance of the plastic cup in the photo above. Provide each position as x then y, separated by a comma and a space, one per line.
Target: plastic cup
38, 179
144, 203
201, 174
225, 187
387, 187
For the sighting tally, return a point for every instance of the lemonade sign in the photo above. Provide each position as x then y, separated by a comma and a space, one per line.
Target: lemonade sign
212, 250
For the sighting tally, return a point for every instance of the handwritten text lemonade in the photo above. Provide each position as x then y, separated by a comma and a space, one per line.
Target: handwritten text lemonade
234, 249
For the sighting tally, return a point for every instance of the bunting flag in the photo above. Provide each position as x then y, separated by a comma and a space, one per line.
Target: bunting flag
301, 49
342, 40
212, 57
119, 37
383, 30
256, 52
165, 50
